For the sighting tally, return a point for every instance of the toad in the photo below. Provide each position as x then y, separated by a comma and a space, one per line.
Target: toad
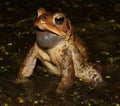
61, 51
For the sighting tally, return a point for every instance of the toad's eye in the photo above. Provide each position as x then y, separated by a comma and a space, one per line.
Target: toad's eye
59, 19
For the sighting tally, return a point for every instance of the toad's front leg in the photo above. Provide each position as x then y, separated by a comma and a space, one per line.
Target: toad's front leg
29, 62
67, 69
28, 65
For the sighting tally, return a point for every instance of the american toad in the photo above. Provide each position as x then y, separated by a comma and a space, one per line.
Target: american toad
61, 51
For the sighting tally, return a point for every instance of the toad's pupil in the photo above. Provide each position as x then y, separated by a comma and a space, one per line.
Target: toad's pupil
59, 20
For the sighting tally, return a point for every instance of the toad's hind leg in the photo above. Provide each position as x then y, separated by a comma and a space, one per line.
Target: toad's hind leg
28, 64
91, 73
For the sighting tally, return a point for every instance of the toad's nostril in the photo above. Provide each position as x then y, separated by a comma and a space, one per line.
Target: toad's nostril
43, 19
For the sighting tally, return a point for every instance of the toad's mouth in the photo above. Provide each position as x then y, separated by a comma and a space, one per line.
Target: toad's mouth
40, 31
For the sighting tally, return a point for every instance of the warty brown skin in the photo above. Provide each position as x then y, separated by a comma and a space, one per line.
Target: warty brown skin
66, 58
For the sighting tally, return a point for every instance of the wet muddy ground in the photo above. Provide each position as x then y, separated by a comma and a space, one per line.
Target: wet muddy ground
96, 22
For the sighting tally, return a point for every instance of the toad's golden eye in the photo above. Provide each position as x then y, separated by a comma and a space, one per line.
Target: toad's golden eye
59, 19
